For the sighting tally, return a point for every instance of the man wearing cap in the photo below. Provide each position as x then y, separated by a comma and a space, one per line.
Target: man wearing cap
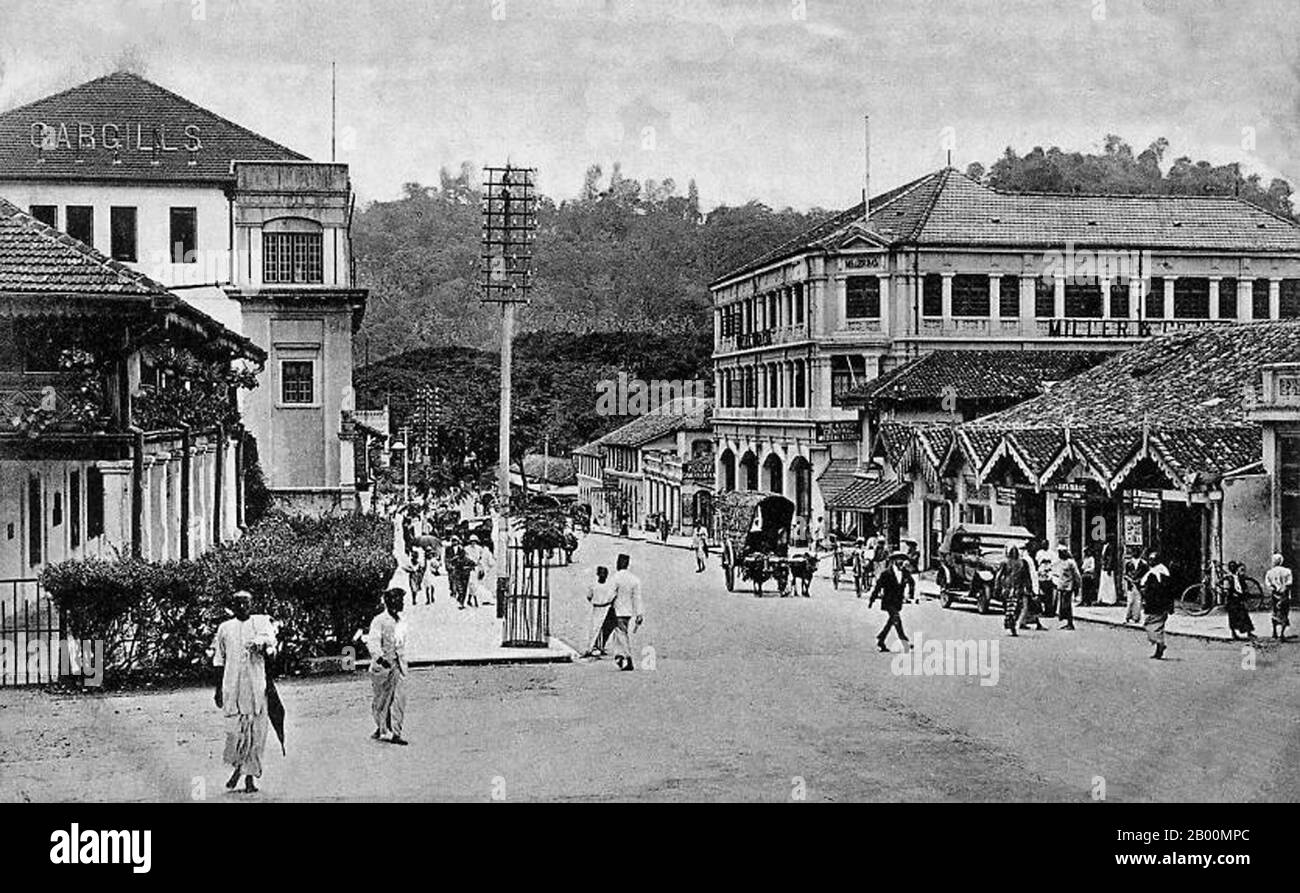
240, 649
627, 607
892, 586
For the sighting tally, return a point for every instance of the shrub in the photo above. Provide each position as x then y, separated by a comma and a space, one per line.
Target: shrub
321, 578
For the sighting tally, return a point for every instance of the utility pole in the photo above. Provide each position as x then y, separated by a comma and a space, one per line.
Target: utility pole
509, 228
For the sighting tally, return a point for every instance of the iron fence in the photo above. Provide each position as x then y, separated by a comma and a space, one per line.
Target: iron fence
31, 633
528, 606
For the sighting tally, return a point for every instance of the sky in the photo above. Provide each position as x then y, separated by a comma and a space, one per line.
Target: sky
755, 99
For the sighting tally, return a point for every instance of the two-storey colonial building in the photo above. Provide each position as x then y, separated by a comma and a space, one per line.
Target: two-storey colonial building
945, 262
245, 229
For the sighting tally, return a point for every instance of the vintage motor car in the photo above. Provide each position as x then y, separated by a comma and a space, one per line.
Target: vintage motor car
969, 558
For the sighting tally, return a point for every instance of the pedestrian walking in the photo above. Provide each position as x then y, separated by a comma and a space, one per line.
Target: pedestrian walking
386, 643
1044, 558
1106, 593
701, 547
1066, 580
892, 586
600, 594
819, 534
1239, 621
1030, 604
240, 649
1279, 582
1088, 571
1135, 569
1012, 582
629, 611
1157, 602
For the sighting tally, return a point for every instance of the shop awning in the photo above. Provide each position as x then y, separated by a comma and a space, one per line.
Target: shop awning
863, 495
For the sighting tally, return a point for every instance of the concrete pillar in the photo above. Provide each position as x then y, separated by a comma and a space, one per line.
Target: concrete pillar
1245, 297
1214, 297
174, 505
1058, 297
1135, 298
147, 547
1105, 298
995, 302
886, 306
947, 301
1028, 325
117, 505
1274, 298
1169, 296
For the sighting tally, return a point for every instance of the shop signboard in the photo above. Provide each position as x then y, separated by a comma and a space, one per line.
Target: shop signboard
1005, 495
1133, 533
1143, 499
838, 432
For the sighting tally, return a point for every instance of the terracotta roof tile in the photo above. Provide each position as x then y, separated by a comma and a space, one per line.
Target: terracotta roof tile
126, 101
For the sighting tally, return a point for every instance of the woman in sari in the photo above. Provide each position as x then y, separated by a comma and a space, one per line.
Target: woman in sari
1013, 582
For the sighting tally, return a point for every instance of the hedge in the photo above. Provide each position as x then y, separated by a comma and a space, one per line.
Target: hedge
321, 578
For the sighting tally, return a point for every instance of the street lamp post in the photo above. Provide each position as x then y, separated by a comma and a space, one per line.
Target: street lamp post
400, 447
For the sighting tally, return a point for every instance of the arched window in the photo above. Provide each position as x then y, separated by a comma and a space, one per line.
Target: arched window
292, 251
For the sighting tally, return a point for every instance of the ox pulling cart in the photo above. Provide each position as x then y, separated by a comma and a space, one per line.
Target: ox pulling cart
755, 534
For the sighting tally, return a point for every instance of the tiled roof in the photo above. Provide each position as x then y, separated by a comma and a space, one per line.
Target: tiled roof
1183, 398
35, 258
865, 494
974, 375
113, 107
838, 474
47, 267
949, 209
554, 470
683, 413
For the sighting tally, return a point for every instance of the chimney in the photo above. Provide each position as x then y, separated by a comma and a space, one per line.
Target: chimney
866, 172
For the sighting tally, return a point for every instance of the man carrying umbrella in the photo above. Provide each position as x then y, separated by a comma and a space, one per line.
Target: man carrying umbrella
243, 692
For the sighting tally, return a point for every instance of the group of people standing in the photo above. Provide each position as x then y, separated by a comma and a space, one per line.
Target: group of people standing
422, 555
1041, 582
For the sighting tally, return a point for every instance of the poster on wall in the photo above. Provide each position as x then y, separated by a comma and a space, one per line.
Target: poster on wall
1133, 533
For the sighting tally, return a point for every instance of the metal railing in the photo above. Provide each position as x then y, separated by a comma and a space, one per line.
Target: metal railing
31, 632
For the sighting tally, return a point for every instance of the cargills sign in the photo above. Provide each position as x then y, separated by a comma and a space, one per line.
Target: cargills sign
115, 137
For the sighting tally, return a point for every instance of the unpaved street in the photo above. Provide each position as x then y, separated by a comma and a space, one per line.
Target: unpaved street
747, 700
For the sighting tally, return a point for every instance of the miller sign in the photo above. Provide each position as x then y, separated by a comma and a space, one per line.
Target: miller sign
115, 137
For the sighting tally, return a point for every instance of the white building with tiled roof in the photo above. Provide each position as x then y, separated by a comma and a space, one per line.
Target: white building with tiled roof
945, 262
251, 232
658, 464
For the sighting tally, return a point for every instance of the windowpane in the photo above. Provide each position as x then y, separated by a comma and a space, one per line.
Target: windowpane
862, 299
81, 223
35, 522
1289, 306
1191, 298
970, 295
1259, 299
1083, 299
1009, 297
1119, 299
932, 295
296, 381
184, 241
292, 258
94, 503
47, 214
1155, 305
122, 231
1228, 298
1044, 298
74, 508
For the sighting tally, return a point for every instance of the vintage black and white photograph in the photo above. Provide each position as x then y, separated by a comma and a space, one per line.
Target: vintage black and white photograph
644, 401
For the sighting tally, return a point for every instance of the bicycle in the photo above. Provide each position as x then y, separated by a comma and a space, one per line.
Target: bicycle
1211, 593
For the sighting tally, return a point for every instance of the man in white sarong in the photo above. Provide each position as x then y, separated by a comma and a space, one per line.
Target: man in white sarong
386, 643
240, 649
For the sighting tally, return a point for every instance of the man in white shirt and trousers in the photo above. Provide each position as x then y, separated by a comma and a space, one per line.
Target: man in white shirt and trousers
627, 606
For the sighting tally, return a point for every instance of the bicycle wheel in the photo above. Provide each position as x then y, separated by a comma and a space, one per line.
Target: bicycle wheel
1192, 603
1252, 595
